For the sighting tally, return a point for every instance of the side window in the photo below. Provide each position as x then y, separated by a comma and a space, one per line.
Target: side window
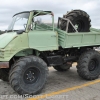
44, 19
42, 22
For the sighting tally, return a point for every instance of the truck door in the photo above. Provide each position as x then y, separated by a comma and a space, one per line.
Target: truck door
43, 40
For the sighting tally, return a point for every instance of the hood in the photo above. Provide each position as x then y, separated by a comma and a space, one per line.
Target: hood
5, 38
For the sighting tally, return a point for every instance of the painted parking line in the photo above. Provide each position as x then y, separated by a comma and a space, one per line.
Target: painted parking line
65, 90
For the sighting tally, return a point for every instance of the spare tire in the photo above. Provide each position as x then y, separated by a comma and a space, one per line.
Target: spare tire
80, 19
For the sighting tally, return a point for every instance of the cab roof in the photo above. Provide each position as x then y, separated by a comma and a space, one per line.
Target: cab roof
41, 12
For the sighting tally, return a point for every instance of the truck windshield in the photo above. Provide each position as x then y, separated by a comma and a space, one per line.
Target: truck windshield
19, 22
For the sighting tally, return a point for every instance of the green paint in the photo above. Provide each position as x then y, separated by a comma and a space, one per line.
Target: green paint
43, 38
16, 45
6, 38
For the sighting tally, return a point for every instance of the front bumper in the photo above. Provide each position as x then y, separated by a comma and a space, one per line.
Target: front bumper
4, 64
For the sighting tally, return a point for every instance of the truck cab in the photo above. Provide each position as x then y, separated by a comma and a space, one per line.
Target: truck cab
27, 33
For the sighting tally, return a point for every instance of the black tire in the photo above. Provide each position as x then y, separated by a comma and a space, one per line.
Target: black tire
89, 65
28, 75
4, 74
79, 18
62, 68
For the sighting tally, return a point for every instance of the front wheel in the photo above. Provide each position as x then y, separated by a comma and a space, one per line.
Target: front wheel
28, 75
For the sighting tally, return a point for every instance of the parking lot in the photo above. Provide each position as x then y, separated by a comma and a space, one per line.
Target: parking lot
60, 86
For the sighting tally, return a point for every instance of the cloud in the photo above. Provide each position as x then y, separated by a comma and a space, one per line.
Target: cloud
9, 7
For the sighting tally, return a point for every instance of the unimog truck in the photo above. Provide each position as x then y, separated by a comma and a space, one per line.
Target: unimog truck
27, 51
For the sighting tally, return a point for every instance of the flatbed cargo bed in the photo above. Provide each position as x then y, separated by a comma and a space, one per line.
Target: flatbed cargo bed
81, 39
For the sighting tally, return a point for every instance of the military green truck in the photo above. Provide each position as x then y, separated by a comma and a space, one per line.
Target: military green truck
27, 51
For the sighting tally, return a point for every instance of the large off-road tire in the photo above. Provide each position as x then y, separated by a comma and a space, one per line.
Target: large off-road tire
28, 75
80, 20
4, 74
89, 65
62, 68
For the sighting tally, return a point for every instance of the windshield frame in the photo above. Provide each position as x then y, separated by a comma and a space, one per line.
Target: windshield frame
32, 14
11, 26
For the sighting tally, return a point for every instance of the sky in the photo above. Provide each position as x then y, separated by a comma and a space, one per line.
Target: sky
59, 7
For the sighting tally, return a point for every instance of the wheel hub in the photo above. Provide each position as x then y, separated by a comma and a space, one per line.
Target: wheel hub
79, 25
92, 65
31, 75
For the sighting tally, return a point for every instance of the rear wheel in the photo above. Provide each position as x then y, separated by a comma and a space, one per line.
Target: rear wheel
89, 65
63, 67
28, 75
